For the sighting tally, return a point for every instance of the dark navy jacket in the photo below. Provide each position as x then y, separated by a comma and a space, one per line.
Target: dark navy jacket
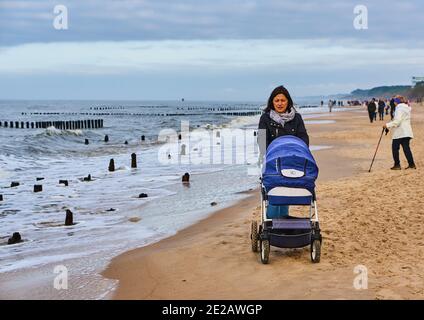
269, 130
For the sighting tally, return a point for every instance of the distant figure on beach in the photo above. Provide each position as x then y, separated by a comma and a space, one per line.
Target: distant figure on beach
279, 119
376, 109
330, 105
392, 108
381, 107
372, 110
402, 132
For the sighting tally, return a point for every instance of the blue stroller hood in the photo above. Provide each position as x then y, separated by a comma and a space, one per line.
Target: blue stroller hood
289, 163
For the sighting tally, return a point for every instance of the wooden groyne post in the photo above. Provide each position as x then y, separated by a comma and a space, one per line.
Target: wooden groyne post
111, 165
69, 219
186, 177
133, 160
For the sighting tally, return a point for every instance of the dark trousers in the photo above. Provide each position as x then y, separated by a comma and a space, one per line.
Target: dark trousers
404, 142
392, 112
381, 114
371, 115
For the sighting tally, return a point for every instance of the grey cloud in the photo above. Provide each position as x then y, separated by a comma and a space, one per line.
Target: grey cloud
97, 20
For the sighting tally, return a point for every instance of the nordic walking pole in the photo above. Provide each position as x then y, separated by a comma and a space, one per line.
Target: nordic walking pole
377, 147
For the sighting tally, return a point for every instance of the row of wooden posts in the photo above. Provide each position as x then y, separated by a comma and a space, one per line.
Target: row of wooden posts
16, 237
61, 125
217, 109
143, 138
227, 113
183, 146
111, 168
107, 108
69, 220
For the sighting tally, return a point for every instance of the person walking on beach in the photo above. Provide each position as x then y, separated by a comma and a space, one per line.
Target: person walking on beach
376, 109
371, 110
392, 108
381, 107
279, 119
402, 132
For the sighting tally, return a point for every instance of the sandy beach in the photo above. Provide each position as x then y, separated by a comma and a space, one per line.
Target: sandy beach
369, 219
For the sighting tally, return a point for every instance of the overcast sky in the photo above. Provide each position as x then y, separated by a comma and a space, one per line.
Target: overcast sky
205, 50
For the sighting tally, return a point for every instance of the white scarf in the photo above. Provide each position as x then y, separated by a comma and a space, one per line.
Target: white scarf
282, 118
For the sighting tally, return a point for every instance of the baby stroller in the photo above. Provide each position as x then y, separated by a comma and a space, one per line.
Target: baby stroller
288, 179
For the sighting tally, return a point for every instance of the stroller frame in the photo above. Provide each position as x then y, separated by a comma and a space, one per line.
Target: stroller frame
285, 232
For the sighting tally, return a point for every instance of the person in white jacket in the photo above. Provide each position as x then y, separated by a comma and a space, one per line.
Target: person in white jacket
401, 133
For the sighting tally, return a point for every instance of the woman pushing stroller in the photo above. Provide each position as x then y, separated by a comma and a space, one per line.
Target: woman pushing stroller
279, 119
288, 178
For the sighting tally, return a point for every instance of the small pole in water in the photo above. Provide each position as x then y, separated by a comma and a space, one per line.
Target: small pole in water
69, 220
38, 188
133, 160
14, 184
106, 138
126, 142
16, 238
65, 182
1, 197
143, 138
111, 165
186, 177
86, 141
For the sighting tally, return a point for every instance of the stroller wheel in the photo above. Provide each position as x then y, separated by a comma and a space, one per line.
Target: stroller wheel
264, 251
315, 251
254, 236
